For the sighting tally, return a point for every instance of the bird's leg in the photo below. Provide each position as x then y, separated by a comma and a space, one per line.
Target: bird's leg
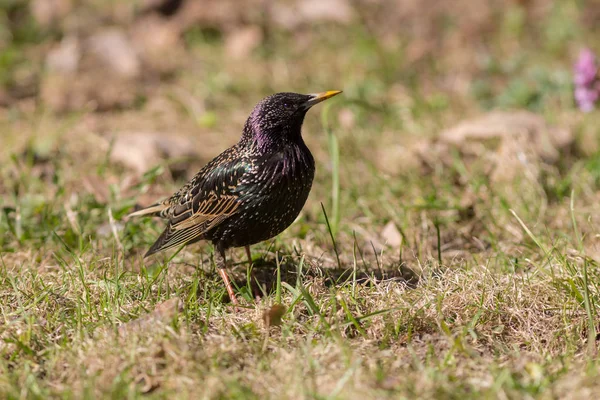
249, 255
228, 286
221, 264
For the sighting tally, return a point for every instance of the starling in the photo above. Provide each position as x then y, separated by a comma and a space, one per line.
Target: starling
249, 193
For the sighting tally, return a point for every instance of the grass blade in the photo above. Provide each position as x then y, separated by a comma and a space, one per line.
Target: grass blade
335, 249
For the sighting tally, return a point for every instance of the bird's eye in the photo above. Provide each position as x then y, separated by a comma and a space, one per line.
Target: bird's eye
287, 106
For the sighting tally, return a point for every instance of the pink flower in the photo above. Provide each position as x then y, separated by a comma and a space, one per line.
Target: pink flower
587, 81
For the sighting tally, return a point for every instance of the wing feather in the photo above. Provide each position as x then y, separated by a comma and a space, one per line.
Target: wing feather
205, 202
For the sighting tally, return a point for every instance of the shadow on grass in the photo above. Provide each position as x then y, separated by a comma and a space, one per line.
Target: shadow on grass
264, 273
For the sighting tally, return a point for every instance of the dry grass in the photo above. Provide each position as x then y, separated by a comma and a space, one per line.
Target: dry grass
479, 288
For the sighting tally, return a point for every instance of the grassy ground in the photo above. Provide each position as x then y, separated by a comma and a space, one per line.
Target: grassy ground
479, 288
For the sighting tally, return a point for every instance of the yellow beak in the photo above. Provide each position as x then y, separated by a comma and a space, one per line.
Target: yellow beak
316, 98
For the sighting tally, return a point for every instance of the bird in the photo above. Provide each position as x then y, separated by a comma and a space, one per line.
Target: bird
249, 193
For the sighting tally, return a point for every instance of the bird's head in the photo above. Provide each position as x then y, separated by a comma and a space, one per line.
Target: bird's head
278, 118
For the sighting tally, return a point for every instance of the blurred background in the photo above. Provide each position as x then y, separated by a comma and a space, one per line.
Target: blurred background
495, 53
462, 162
123, 100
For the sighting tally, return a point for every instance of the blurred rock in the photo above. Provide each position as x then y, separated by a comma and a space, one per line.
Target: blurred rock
339, 11
220, 14
49, 12
64, 58
140, 151
289, 16
240, 43
394, 159
158, 43
62, 63
113, 48
227, 15
391, 235
99, 73
514, 143
546, 141
54, 91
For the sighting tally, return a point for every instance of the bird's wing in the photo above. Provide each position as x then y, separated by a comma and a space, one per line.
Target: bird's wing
205, 202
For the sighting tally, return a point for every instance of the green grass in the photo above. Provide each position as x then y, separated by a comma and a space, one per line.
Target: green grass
492, 292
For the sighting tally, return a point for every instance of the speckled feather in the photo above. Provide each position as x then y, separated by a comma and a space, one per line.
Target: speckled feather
252, 191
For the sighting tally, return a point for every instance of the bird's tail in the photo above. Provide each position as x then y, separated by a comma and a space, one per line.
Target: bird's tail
158, 209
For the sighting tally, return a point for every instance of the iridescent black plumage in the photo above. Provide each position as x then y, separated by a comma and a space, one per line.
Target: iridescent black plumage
252, 191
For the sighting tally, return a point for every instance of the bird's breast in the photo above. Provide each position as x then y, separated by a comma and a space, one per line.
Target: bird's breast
272, 194
288, 170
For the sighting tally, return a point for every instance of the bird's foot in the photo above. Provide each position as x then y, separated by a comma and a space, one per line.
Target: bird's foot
229, 288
